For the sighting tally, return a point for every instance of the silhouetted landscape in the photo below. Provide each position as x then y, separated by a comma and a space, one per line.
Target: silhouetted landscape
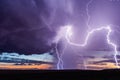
108, 74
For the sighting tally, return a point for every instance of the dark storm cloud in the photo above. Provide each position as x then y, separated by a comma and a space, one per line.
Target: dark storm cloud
104, 61
94, 63
24, 28
111, 56
108, 56
29, 26
87, 56
91, 57
93, 67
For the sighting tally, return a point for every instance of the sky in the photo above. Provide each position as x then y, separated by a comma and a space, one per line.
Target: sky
30, 27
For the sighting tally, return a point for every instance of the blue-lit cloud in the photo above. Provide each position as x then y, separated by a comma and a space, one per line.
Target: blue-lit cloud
46, 57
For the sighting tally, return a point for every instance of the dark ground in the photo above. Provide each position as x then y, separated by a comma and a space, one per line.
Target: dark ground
112, 74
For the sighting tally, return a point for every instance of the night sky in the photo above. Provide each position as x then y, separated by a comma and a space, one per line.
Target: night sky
30, 27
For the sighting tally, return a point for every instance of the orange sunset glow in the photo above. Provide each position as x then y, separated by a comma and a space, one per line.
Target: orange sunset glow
25, 67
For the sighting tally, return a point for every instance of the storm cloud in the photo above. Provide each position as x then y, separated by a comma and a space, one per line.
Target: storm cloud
30, 26
22, 29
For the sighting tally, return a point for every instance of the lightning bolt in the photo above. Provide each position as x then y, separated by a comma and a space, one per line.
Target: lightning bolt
67, 31
58, 56
60, 35
87, 11
93, 31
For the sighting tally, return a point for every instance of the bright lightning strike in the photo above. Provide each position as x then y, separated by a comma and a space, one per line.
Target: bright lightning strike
66, 32
59, 36
109, 30
59, 57
87, 11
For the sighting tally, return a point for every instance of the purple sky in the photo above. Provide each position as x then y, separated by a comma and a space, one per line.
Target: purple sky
30, 26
